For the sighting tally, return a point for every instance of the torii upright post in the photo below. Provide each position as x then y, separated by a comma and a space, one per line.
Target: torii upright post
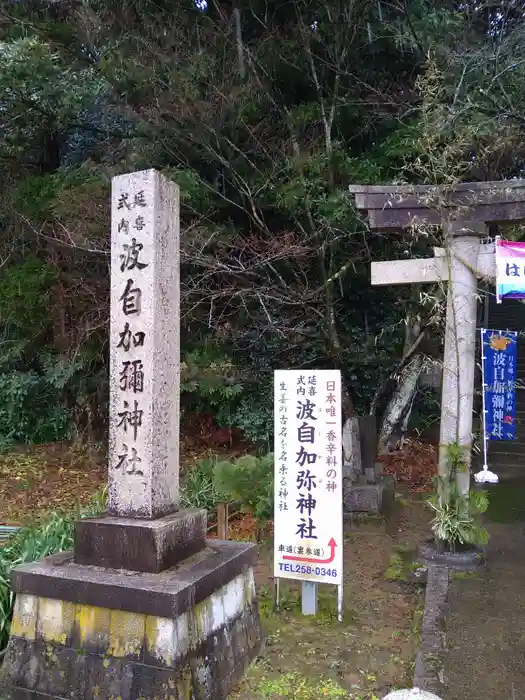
459, 358
462, 213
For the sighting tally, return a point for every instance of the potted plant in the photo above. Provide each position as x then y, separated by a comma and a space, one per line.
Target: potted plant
459, 535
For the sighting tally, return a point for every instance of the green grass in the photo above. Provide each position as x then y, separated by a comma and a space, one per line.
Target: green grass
55, 534
402, 564
198, 486
296, 687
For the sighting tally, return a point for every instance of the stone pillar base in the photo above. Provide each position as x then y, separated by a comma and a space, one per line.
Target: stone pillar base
373, 499
140, 545
83, 632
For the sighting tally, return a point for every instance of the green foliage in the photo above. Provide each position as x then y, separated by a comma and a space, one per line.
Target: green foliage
275, 258
40, 93
198, 488
456, 514
254, 412
31, 410
295, 686
40, 388
34, 542
34, 196
210, 383
426, 411
401, 564
31, 405
25, 289
249, 482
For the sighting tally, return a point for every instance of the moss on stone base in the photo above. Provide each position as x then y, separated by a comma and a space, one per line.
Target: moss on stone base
79, 651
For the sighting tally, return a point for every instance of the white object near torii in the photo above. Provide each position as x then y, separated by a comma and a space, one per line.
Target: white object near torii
411, 694
463, 213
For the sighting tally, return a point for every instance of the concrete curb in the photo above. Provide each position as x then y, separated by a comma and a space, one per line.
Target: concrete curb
428, 671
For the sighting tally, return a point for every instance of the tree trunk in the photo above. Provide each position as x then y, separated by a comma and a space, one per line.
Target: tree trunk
400, 405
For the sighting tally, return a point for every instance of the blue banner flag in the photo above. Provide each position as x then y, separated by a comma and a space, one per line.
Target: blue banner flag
498, 355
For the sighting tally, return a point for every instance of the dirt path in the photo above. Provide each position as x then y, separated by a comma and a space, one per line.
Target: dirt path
368, 655
486, 623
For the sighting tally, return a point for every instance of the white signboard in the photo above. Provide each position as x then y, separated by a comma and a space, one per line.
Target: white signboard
308, 520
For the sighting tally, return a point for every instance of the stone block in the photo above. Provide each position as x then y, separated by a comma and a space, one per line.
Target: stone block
140, 545
154, 682
55, 664
161, 640
95, 677
199, 651
92, 628
25, 616
168, 594
20, 665
144, 396
55, 620
126, 634
373, 499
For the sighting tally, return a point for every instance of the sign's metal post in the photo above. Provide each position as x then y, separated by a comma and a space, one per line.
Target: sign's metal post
340, 602
276, 591
308, 598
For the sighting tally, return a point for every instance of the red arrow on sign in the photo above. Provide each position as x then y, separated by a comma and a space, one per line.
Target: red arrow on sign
332, 544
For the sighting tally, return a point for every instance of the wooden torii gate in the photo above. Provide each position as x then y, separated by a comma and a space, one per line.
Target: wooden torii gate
463, 213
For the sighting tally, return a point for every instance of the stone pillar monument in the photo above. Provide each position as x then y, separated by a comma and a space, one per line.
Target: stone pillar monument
144, 606
144, 347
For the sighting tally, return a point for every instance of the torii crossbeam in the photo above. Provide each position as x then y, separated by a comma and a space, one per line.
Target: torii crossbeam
462, 212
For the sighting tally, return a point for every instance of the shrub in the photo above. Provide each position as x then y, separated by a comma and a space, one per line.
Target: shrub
31, 410
235, 395
254, 414
248, 481
198, 489
209, 383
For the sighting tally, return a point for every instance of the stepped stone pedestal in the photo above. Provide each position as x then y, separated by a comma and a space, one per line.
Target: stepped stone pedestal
144, 607
83, 632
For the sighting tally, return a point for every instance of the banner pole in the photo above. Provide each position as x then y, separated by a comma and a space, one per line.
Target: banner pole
484, 476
